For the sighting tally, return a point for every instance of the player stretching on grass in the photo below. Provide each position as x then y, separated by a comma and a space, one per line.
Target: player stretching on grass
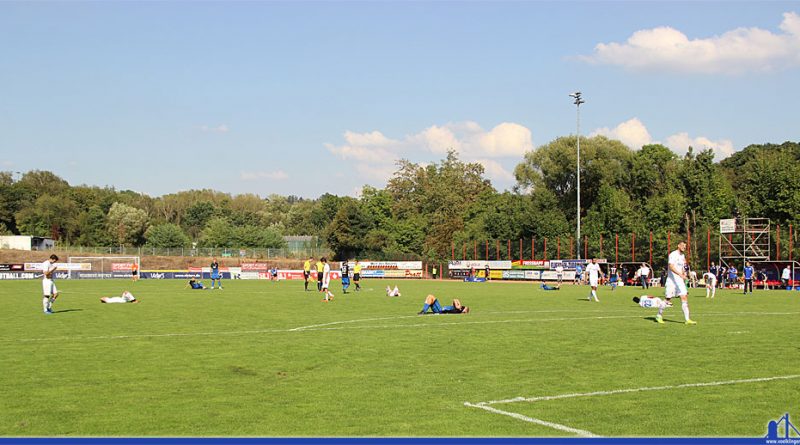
676, 280
648, 301
593, 270
711, 284
48, 284
126, 297
432, 303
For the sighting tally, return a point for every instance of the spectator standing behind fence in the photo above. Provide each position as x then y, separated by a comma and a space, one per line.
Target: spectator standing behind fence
578, 274
785, 276
748, 277
487, 271
732, 275
644, 275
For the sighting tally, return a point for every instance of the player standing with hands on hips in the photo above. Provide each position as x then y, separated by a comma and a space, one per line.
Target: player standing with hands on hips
676, 280
48, 283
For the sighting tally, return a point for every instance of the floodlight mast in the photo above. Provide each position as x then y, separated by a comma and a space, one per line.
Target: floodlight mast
578, 101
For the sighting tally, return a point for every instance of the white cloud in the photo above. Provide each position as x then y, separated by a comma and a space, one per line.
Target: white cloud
632, 133
680, 142
736, 51
222, 128
277, 175
375, 154
496, 172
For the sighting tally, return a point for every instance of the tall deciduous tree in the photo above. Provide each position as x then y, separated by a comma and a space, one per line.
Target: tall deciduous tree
126, 224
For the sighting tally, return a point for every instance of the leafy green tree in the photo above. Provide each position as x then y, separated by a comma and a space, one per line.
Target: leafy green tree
50, 216
255, 236
94, 228
218, 233
196, 217
126, 224
553, 166
166, 236
346, 234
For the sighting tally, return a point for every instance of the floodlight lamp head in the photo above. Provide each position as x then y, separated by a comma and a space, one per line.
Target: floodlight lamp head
576, 95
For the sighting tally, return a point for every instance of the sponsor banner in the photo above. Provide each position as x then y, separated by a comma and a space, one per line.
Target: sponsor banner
121, 267
372, 273
513, 274
390, 265
727, 225
19, 275
551, 275
255, 267
532, 264
290, 275
12, 267
571, 264
407, 273
248, 275
459, 273
60, 266
479, 264
533, 275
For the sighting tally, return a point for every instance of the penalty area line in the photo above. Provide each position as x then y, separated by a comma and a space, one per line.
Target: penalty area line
555, 426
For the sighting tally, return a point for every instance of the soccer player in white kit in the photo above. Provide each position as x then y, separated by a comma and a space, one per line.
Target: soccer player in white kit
392, 292
593, 271
49, 289
126, 297
648, 301
676, 280
326, 279
711, 284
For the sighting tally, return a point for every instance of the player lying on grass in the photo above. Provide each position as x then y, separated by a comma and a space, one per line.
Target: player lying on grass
126, 297
548, 287
436, 308
392, 292
649, 301
194, 284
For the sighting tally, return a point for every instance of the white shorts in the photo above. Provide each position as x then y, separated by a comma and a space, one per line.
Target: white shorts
711, 283
675, 288
593, 281
48, 287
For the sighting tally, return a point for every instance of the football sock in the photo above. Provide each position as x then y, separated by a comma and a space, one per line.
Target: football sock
425, 307
685, 307
594, 294
45, 303
436, 306
660, 311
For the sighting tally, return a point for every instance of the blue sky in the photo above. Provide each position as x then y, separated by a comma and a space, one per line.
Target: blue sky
304, 98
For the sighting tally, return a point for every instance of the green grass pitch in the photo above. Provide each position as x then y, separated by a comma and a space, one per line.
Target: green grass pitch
268, 359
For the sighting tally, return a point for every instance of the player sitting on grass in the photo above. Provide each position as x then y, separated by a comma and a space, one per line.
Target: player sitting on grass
194, 284
433, 303
548, 287
649, 301
126, 297
392, 292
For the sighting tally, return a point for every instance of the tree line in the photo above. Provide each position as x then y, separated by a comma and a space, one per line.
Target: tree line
425, 210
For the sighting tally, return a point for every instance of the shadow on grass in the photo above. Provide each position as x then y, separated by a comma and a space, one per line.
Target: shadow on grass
666, 320
67, 310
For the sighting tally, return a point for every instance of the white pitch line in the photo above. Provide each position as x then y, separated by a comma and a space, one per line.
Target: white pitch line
556, 426
631, 390
315, 326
